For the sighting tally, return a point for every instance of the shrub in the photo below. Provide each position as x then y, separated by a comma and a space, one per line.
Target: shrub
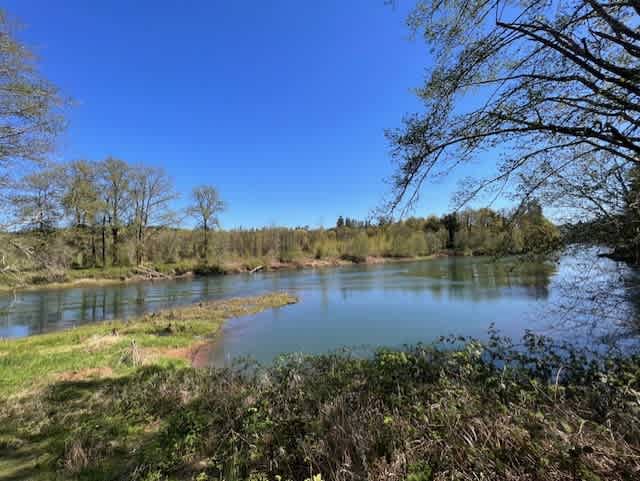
358, 248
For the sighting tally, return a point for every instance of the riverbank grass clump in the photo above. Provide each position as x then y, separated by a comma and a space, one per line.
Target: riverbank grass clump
456, 411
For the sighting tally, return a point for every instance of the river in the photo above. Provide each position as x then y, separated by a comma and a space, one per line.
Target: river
367, 305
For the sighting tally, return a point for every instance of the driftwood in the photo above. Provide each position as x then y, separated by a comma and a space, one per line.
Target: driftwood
256, 269
150, 273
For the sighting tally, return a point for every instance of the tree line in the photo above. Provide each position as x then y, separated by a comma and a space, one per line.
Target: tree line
110, 213
471, 232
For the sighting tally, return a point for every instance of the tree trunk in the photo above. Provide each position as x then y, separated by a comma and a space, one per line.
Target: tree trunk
104, 241
206, 240
141, 240
114, 247
94, 258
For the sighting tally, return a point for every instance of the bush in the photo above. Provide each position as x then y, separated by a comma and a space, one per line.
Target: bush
208, 269
326, 248
358, 248
290, 255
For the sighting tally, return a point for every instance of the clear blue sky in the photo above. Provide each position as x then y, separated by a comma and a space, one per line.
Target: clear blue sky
282, 105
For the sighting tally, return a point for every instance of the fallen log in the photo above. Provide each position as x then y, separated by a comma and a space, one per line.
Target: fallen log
150, 273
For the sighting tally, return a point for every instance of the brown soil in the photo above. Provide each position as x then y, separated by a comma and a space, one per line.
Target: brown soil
196, 354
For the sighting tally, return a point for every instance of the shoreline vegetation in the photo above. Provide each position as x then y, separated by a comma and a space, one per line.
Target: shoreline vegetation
67, 257
127, 275
121, 400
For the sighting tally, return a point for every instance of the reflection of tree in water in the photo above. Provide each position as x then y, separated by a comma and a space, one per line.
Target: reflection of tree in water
117, 304
477, 279
140, 295
323, 279
42, 313
87, 309
596, 298
362, 279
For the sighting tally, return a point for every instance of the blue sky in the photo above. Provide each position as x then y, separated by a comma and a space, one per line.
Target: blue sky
282, 105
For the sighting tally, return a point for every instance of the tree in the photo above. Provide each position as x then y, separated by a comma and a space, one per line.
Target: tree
81, 202
631, 214
340, 222
151, 192
452, 224
38, 201
560, 89
81, 198
432, 224
114, 181
205, 208
358, 248
30, 114
30, 119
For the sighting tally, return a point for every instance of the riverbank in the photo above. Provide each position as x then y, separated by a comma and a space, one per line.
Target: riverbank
114, 348
127, 275
423, 414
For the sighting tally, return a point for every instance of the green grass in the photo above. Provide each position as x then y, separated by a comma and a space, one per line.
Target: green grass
33, 361
52, 386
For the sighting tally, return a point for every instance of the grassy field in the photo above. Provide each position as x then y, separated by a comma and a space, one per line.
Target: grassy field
86, 405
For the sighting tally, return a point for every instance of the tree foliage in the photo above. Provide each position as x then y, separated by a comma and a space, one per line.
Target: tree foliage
30, 115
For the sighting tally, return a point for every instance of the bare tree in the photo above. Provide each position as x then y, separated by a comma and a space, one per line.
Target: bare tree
205, 207
30, 115
38, 201
151, 194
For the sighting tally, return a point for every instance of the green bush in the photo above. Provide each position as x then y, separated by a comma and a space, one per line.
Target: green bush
358, 248
208, 269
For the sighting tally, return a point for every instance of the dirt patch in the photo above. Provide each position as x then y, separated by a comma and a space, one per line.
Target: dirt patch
200, 357
83, 374
193, 354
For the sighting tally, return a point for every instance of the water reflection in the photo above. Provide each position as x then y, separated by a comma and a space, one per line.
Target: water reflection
390, 304
476, 279
596, 298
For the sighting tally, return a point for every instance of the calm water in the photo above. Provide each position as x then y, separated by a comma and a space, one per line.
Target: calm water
390, 304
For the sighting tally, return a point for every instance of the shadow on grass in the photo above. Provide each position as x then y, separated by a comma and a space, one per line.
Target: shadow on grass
72, 429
